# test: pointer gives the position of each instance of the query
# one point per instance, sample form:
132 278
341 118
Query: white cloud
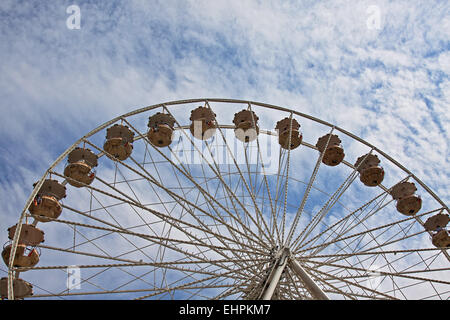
389 86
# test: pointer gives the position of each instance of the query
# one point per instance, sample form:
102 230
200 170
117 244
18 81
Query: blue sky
389 85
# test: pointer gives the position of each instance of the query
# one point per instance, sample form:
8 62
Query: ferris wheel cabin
119 142
370 172
284 127
407 202
330 145
79 169
161 127
203 123
46 203
246 126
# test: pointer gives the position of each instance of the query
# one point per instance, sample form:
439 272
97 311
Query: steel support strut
275 274
310 285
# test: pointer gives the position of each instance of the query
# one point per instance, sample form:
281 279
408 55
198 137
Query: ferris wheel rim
204 100
249 102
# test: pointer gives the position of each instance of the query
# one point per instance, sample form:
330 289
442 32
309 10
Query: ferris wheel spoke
252 191
262 232
422 260
354 254
400 272
216 172
157 291
277 195
346 245
293 283
202 223
425 268
167 218
261 161
82 235
215 197
234 206
347 282
123 229
193 276
170 265
274 227
136 277
369 272
378 206
102 250
344 220
126 231
186 285
327 285
306 194
355 222
38 287
317 218
118 225
190 258
243 180
155 239
439 295
288 162
249 173
389 227
89 293
342 255
89 254
359 247
335 240
213 284
235 210
356 242
135 211
185 271
389 264
396 240
235 289
186 254
343 231
161 249
367 231
82 280
231 229
237 241
85 280
354 295
128 185
207 196
281 181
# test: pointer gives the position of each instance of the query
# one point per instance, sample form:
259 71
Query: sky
379 70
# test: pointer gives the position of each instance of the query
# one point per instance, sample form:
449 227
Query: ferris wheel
227 199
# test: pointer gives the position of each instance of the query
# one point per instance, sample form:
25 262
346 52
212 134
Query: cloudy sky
379 69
